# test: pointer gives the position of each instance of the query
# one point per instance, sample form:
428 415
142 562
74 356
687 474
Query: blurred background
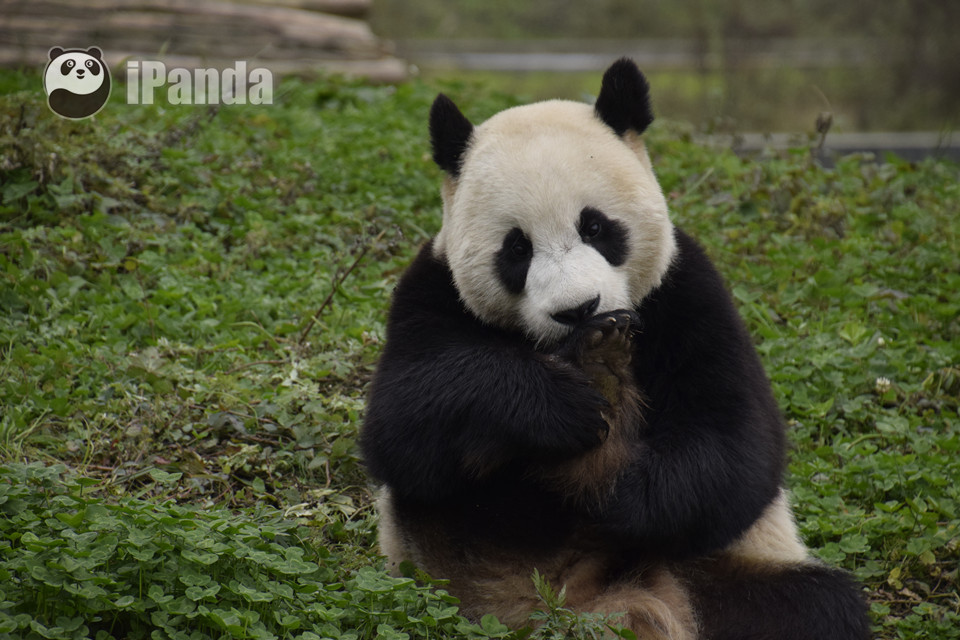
744 65
724 67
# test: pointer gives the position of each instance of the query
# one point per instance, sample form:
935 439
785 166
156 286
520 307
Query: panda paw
602 349
608 337
603 339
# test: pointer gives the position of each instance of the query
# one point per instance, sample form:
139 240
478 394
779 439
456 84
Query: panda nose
578 314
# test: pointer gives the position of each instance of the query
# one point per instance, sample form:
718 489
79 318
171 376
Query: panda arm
454 400
712 449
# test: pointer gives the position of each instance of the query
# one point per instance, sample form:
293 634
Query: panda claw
605 333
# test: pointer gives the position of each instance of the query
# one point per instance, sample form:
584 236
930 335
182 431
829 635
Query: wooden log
286 20
261 31
345 8
191 6
244 34
384 70
348 8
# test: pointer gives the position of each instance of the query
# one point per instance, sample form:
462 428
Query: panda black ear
95 52
624 100
55 53
450 133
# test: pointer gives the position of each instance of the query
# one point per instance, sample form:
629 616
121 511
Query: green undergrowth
74 565
193 300
849 280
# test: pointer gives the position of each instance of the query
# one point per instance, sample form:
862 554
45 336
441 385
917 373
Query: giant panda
566 386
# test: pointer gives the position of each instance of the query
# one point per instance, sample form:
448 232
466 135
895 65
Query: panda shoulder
692 276
426 304
427 282
692 311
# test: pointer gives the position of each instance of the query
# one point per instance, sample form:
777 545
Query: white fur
391 543
536 167
773 539
73 81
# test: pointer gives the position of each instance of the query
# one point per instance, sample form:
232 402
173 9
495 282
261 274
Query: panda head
77 81
551 211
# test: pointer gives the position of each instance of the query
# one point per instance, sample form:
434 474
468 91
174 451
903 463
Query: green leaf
199 556
164 477
387 632
492 625
182 606
14 191
71 519
155 591
853 332
854 543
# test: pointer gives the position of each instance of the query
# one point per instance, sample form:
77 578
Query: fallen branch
338 280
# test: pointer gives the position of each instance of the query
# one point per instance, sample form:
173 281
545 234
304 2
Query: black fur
450 133
454 401
513 261
809 602
714 453
459 411
607 236
624 100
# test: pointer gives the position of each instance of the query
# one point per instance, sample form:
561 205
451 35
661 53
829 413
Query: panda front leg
602 348
455 400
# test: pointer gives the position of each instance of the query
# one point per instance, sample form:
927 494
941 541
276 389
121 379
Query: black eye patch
513 260
609 237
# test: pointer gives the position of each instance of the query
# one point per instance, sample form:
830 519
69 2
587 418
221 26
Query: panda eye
607 235
521 247
591 224
513 260
89 64
70 63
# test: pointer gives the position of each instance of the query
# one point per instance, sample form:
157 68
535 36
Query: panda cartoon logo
77 82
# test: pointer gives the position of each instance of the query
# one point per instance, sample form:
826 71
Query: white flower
882 385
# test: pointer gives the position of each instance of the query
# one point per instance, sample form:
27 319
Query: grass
193 301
